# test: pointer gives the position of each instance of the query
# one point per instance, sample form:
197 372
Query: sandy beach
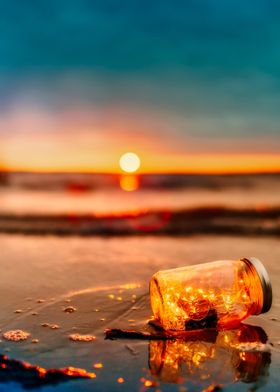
105 280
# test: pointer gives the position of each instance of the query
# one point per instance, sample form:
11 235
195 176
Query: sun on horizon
130 162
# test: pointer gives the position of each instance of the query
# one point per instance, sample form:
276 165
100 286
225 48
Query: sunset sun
130 162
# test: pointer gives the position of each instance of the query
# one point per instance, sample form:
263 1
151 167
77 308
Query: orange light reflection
129 183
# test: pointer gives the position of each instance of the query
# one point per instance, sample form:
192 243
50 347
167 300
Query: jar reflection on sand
225 356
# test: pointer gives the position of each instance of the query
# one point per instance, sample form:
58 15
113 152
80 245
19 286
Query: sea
173 204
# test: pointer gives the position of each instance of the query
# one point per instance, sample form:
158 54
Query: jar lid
265 281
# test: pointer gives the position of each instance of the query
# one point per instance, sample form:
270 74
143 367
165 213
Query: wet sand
105 280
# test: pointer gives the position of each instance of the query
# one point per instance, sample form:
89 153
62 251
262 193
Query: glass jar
217 294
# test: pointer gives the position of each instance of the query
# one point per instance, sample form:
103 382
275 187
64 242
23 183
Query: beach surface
61 288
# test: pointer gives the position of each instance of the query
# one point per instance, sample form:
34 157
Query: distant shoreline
158 173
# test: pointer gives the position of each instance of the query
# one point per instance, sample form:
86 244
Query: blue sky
207 72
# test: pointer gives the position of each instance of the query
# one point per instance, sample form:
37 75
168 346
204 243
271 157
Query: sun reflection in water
129 182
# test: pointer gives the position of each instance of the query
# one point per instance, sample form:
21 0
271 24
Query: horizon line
141 173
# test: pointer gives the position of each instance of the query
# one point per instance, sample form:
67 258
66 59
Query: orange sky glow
88 141
191 163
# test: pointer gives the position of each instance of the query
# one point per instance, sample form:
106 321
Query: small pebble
34 314
102 319
150 384
35 341
98 366
40 301
18 311
69 309
54 326
76 337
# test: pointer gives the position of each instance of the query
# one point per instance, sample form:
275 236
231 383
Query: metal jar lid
264 279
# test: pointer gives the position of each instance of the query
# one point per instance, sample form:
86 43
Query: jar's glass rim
265 281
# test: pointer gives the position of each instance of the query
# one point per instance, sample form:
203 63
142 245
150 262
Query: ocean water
162 204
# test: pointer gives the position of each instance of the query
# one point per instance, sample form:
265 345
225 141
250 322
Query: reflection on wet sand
220 356
30 376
